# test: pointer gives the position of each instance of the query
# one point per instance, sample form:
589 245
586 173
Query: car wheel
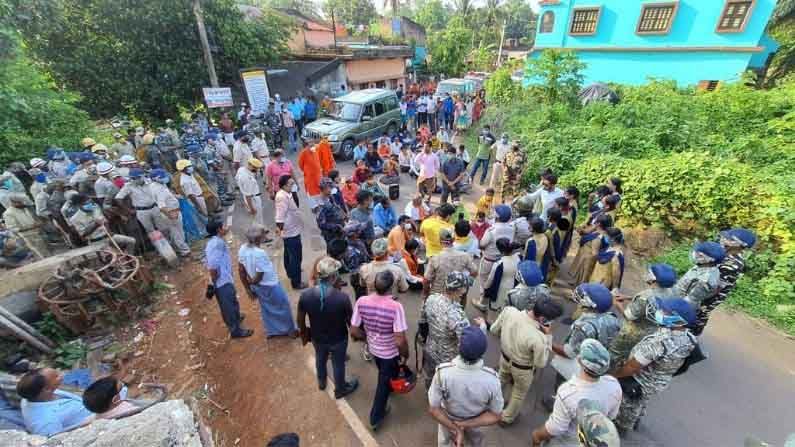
391 130
346 150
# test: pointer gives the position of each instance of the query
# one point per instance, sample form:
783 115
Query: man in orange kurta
327 162
309 163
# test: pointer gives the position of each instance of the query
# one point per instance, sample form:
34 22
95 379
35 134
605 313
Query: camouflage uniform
661 354
512 173
447 261
730 270
446 321
698 284
330 219
602 327
636 325
523 297
595 428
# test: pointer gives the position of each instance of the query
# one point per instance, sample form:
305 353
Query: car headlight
333 137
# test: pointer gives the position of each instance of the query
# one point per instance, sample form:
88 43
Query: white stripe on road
364 435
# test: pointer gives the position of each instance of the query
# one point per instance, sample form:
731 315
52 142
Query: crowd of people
516 249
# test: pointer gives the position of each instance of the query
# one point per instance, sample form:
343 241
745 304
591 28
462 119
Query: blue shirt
447 105
357 215
255 260
384 217
359 152
218 259
54 416
296 110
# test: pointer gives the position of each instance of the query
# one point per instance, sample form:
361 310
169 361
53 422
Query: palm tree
463 6
392 5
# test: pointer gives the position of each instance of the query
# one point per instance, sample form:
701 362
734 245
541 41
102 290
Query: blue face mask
41 178
607 240
89 207
668 320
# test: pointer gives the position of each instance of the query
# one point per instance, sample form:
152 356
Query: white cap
104 167
37 162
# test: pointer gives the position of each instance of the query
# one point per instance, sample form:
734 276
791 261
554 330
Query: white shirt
222 149
255 260
563 420
413 212
489 241
241 153
260 148
247 182
500 150
164 197
431 105
190 186
395 146
141 196
547 199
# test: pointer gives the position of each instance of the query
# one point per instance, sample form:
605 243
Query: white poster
257 90
218 97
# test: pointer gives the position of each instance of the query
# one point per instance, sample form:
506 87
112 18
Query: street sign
218 97
256 83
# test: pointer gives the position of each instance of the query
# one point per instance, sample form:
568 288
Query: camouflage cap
379 247
594 357
594 429
457 280
327 267
446 236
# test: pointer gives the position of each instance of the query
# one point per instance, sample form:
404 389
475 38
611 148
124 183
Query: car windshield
345 111
448 88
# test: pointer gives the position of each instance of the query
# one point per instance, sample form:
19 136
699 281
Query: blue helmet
529 274
676 312
503 213
158 173
712 250
664 275
594 296
136 172
744 237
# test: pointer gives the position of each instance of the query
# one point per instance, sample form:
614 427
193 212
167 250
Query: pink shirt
429 164
276 170
287 213
382 317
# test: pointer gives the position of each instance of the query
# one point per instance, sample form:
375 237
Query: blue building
694 42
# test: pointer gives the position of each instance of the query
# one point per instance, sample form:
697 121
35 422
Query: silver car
362 114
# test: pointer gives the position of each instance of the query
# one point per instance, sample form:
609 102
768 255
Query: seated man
107 398
90 223
47 410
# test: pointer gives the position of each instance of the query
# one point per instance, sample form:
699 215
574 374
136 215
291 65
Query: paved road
747 386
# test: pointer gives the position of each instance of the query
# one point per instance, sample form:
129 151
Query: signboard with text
218 97
256 83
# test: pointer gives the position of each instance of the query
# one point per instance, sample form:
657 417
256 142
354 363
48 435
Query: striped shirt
382 317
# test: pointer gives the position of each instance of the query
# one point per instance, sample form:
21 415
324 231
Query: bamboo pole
20 333
25 326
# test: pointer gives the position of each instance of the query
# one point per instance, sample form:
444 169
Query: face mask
139 181
161 180
89 207
667 320
91 169
189 170
699 258
607 240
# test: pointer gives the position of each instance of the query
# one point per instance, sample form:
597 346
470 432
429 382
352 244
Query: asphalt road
745 388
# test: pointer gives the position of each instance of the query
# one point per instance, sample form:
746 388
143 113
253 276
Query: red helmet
405 381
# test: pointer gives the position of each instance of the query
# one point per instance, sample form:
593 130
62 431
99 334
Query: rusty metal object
98 287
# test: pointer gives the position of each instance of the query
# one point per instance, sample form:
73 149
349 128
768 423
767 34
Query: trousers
172 229
148 218
387 370
630 412
293 257
480 163
337 353
229 307
521 379
483 276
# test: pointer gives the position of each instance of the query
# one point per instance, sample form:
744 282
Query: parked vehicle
478 77
454 85
360 114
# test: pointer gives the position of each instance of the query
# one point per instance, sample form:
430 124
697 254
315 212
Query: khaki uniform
512 174
143 200
465 391
21 221
125 148
525 348
82 221
170 226
488 246
190 187
249 187
367 273
447 261
105 190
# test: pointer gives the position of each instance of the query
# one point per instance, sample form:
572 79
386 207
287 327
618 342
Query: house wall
296 43
635 57
366 73
330 83
319 39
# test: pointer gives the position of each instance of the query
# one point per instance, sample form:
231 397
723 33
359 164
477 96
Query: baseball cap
473 343
327 267
136 172
446 236
593 427
379 247
594 357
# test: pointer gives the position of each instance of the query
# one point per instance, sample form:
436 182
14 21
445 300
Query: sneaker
244 333
350 387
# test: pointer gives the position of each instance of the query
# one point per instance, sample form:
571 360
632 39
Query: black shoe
350 387
321 385
300 286
244 333
548 402
378 424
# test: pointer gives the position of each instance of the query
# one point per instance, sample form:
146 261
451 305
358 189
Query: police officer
523 208
59 165
442 320
654 361
330 217
190 187
121 146
734 242
512 173
502 228
525 343
701 282
465 395
530 286
660 278
447 261
595 322
124 164
143 199
84 177
104 188
91 225
591 383
594 429
169 221
246 178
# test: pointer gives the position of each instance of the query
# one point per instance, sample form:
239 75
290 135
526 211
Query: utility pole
502 40
334 29
208 56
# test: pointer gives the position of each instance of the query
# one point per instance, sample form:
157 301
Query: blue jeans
387 370
293 257
230 309
337 352
291 138
480 162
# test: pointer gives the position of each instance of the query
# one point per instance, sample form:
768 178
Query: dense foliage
147 59
692 162
351 13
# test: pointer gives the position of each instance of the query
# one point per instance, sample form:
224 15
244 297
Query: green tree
521 21
351 13
432 14
449 48
558 73
463 7
146 59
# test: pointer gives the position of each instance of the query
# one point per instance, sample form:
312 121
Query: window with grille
657 18
735 15
584 21
547 22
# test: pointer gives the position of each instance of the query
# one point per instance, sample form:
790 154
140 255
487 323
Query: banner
256 84
218 97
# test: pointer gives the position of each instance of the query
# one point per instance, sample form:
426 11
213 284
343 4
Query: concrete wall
319 39
330 83
718 56
365 71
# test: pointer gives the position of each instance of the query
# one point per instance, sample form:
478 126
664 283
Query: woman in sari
609 268
590 244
